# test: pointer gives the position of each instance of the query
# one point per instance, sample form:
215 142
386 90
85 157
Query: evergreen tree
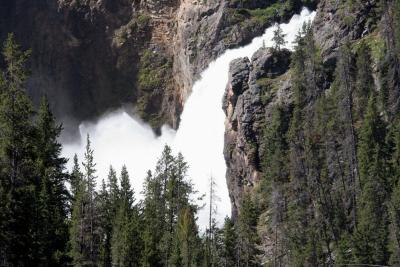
75 178
166 194
20 186
91 238
125 244
53 197
153 220
371 235
85 231
108 204
394 203
229 244
105 226
187 238
364 80
247 234
299 201
279 38
77 214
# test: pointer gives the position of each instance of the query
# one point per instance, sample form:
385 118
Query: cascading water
119 139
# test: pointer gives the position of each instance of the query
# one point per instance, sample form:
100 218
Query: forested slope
314 147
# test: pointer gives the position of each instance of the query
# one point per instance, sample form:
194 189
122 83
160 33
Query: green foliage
186 240
371 235
229 243
18 182
169 232
364 80
125 239
53 207
247 237
153 77
85 231
279 38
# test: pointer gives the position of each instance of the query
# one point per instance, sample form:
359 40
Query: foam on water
119 139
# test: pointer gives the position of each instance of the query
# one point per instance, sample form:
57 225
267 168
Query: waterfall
119 139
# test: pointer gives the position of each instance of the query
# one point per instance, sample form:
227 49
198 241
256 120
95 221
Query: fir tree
279 38
105 226
53 196
75 178
364 80
85 231
125 244
153 220
20 186
229 241
247 234
91 237
187 237
371 235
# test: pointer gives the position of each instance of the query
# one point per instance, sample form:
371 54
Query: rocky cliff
93 56
253 88
258 85
310 142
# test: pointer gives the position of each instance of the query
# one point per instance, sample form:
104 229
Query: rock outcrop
254 87
93 56
336 23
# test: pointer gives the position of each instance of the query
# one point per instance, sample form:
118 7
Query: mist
118 138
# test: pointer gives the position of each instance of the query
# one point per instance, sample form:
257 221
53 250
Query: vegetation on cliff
329 194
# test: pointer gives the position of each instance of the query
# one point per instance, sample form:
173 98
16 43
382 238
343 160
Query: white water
119 139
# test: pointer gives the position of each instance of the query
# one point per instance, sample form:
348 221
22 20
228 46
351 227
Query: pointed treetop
279 38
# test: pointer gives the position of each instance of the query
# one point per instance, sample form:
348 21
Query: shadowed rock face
76 59
87 55
334 24
93 56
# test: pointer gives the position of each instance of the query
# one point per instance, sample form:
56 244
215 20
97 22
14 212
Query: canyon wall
258 85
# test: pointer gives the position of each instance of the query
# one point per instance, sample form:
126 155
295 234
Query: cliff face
93 56
255 87
303 139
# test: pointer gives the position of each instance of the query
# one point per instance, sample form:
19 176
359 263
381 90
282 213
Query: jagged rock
249 108
335 23
87 55
247 114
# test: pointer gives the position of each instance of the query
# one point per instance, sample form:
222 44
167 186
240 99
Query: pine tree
75 178
91 212
298 215
166 194
125 243
19 184
153 220
108 199
53 197
165 174
229 244
279 38
187 237
247 234
78 188
113 190
394 203
364 81
276 177
85 231
371 235
105 225
212 230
